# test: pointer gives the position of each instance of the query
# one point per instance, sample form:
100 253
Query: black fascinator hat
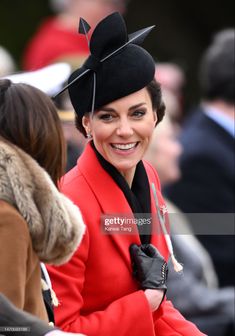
117 65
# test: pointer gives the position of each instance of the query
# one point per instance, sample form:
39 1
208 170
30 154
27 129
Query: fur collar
55 223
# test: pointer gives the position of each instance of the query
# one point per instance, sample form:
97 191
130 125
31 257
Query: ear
86 123
155 117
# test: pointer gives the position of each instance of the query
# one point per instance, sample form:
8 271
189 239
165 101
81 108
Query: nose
124 128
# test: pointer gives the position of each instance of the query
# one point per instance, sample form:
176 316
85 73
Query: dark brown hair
216 70
29 119
155 92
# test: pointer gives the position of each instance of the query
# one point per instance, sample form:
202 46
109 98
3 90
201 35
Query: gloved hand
149 267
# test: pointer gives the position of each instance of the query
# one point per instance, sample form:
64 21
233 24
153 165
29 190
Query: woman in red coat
115 283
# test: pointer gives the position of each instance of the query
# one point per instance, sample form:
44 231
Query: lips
125 147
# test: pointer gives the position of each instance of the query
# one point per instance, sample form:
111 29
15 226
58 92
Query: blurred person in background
207 163
194 293
56 39
164 150
37 223
172 79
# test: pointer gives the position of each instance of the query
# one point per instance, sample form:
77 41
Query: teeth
124 146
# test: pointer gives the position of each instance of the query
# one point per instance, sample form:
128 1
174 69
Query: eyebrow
109 109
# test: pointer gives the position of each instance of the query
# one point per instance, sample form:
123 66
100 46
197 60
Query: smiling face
122 131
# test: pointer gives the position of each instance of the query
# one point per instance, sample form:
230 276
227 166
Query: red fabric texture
51 43
97 292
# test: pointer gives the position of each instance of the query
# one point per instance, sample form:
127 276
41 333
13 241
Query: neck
128 175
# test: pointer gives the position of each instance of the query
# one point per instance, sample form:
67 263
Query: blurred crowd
192 151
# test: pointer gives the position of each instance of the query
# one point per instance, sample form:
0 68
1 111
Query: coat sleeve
14 242
129 315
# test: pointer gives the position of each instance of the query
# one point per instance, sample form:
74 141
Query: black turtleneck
138 196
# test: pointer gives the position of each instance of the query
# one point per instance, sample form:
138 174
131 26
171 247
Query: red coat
97 292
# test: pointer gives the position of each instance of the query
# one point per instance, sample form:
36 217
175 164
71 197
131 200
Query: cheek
147 130
101 134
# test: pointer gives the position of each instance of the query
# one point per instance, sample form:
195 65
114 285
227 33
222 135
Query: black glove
149 267
11 317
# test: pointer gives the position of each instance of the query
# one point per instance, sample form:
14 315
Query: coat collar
112 200
55 224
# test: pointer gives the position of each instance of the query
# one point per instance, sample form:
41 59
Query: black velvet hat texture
116 67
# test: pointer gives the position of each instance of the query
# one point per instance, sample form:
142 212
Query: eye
105 116
138 114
